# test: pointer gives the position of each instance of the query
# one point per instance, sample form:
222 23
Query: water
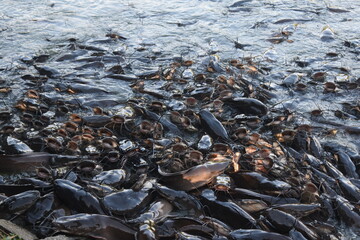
281 36
193 29
182 27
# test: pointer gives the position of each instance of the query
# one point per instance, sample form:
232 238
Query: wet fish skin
347 165
41 208
313 161
127 202
180 199
255 180
24 162
284 222
194 177
47 71
328 210
94 225
296 235
252 206
247 106
228 212
315 147
350 191
299 210
333 171
19 203
213 126
170 225
320 175
246 193
347 212
96 120
75 197
255 234
157 212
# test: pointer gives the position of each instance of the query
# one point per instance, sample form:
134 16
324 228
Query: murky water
289 40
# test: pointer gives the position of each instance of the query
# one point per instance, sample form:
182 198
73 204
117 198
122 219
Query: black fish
75 197
256 234
248 106
228 212
213 126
